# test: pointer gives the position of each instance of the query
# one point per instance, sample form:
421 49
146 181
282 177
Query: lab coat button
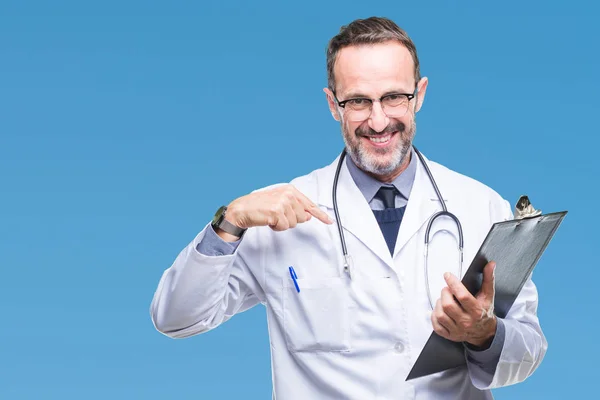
399 347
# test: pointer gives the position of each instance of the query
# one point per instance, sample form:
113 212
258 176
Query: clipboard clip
524 209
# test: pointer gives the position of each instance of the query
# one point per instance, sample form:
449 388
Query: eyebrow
355 95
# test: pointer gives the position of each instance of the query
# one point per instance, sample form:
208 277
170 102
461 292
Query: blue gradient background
124 125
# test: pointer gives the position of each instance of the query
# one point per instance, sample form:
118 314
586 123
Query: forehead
374 69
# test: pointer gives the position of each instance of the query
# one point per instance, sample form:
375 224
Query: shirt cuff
488 359
212 244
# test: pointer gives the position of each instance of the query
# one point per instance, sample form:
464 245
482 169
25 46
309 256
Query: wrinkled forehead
374 69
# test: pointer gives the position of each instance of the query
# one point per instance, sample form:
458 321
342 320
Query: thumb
489 277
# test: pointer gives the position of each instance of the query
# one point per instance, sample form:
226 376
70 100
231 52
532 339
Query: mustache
395 126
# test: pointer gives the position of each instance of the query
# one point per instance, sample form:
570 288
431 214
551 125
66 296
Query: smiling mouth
379 140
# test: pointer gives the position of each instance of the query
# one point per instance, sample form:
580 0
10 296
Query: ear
333 107
422 85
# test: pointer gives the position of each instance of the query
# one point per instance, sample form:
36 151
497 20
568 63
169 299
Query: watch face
219 215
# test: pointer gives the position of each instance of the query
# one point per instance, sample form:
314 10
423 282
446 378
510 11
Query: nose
378 120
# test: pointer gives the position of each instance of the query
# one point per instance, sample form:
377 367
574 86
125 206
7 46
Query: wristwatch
220 222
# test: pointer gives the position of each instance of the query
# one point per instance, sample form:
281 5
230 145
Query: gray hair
368 31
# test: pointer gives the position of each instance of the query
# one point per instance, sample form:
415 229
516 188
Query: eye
358 102
395 99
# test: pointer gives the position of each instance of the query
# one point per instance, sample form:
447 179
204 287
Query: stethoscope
348 258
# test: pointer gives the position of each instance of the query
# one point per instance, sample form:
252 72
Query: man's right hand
280 208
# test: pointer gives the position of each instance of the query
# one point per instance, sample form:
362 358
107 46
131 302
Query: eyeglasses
394 105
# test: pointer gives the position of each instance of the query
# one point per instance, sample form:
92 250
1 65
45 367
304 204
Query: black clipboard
516 246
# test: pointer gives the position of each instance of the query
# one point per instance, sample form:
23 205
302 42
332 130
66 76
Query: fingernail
446 275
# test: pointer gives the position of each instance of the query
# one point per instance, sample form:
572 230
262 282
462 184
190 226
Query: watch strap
231 228
220 222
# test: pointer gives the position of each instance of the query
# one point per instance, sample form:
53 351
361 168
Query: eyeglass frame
409 96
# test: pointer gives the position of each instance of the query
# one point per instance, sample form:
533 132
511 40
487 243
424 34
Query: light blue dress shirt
369 185
487 359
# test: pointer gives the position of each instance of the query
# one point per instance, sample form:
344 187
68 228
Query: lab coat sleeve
199 292
524 342
487 359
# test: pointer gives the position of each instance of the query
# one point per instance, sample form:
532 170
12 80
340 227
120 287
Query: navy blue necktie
390 218
387 194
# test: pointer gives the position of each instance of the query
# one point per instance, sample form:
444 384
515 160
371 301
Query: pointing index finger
313 209
319 214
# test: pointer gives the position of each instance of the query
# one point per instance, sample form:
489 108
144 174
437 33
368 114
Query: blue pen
294 277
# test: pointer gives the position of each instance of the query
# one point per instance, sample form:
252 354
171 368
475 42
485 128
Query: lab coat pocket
316 319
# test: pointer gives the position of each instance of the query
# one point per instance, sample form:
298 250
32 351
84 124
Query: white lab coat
356 338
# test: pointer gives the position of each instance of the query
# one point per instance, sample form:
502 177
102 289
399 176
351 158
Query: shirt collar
369 185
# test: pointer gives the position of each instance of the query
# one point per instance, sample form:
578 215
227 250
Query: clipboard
516 246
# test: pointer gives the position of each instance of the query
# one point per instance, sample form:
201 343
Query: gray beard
367 162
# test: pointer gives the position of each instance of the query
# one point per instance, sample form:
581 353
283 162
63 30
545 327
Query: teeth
380 139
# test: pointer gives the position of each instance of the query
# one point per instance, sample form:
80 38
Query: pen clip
294 278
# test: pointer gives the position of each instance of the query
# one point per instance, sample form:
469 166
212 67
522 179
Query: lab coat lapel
355 214
422 204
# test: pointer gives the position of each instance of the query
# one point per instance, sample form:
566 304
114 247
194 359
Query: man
355 333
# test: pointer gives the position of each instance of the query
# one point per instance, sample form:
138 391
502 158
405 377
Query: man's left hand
461 317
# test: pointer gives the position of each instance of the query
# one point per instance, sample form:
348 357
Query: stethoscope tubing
444 212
